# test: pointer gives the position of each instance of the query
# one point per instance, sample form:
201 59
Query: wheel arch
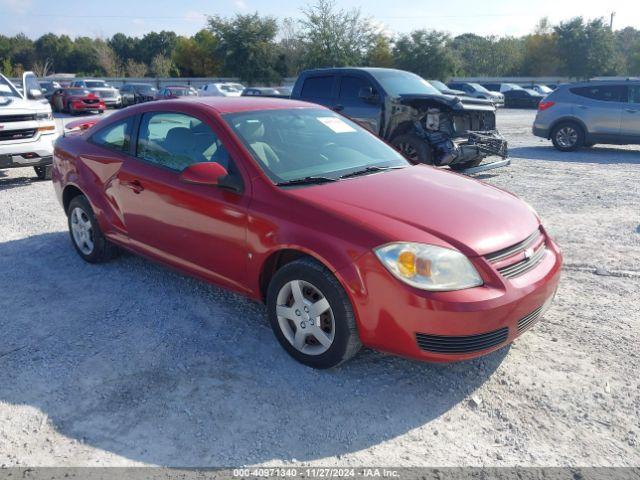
69 193
569 119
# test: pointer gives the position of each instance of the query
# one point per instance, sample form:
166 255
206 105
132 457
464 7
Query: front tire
43 172
311 315
414 148
567 136
86 236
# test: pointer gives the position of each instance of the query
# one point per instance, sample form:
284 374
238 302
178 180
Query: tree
334 38
540 51
82 59
156 43
197 56
135 69
54 49
585 49
106 58
246 46
380 54
291 48
425 53
125 48
161 66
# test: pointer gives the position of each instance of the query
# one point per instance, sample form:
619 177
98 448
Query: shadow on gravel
134 359
603 155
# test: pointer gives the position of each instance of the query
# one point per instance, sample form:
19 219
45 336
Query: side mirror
207 173
34 93
368 94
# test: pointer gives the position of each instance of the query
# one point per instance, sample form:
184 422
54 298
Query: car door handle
338 108
134 185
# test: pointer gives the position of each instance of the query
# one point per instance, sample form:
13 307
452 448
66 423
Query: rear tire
86 236
414 148
567 136
43 172
311 315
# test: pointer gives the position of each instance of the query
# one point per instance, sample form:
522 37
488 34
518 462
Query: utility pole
613 14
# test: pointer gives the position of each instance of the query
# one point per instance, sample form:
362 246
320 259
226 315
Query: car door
630 125
199 228
365 112
600 107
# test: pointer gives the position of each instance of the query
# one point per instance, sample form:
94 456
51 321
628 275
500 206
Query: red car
294 205
177 91
76 100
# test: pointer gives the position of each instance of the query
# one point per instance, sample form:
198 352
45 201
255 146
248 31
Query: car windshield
396 83
514 86
231 87
96 84
544 89
144 88
76 91
294 144
7 89
478 88
438 84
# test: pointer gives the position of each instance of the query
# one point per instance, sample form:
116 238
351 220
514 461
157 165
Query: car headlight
428 267
44 116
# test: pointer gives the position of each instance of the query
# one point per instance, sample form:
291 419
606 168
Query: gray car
582 114
476 90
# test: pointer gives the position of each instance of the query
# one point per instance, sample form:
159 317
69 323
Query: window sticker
336 124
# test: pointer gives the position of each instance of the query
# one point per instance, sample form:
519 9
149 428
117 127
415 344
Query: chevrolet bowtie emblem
528 253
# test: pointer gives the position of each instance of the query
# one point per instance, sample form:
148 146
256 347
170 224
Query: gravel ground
129 363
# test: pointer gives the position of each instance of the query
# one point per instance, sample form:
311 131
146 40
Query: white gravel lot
129 363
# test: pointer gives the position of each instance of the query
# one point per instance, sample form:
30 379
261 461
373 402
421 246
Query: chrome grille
524 256
7 135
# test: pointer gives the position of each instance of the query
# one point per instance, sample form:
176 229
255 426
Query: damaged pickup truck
406 111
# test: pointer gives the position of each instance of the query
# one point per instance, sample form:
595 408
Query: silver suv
582 114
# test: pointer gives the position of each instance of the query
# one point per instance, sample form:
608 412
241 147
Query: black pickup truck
406 111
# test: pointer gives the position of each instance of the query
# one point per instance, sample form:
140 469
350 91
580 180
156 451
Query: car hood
450 101
467 214
14 105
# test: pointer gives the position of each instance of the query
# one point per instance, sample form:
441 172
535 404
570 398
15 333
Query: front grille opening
527 321
461 344
7 135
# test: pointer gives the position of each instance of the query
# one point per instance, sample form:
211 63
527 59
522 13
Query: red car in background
76 100
291 204
177 91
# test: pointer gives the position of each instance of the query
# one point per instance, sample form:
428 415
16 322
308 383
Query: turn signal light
544 105
47 128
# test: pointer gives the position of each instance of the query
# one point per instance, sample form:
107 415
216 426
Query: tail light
544 105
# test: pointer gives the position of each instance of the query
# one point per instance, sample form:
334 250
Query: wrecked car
405 110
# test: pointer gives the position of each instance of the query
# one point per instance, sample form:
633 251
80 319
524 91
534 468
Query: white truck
221 89
27 127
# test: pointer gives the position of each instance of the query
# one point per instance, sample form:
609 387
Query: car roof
223 105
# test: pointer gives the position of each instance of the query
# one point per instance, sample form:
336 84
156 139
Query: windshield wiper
306 181
370 169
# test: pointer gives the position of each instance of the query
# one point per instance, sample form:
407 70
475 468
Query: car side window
350 88
175 141
604 93
318 87
116 136
634 94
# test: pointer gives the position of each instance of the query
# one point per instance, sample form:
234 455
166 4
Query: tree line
262 49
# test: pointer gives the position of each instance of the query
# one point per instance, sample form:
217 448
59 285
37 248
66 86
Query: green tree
155 43
161 66
540 51
197 56
247 47
334 38
425 53
55 49
380 54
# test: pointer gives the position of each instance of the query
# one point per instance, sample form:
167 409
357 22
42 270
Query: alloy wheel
567 137
82 231
305 317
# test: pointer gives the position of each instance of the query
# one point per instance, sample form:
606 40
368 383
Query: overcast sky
137 17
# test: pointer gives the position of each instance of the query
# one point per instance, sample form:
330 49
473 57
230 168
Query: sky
136 17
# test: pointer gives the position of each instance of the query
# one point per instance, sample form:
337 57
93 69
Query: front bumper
34 151
112 102
449 326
